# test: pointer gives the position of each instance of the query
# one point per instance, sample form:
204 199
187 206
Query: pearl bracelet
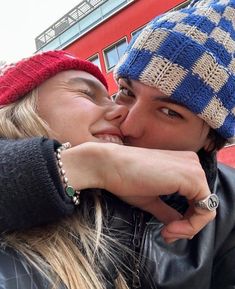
71 192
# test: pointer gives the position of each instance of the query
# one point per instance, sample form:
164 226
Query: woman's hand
139 176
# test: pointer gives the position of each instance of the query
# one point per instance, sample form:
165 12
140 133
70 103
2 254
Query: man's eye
125 91
171 113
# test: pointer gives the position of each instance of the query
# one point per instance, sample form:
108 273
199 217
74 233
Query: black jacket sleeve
31 193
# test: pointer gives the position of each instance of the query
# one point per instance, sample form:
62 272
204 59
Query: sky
21 21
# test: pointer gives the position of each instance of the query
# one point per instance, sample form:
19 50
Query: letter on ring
210 203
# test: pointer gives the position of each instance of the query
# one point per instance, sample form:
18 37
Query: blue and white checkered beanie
189 55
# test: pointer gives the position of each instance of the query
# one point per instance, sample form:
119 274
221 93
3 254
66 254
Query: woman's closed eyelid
85 94
80 90
95 97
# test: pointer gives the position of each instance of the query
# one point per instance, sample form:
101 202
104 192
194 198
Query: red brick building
227 155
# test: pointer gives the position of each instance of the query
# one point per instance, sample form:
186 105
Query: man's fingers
177 229
187 228
162 211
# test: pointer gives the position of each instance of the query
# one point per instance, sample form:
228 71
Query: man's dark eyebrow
128 82
165 99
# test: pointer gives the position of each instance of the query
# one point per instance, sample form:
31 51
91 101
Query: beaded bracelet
71 192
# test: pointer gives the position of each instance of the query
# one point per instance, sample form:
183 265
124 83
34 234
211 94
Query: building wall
115 28
227 156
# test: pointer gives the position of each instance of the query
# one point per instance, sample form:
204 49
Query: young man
177 79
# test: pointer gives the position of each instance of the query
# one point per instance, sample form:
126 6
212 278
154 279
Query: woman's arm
32 194
30 190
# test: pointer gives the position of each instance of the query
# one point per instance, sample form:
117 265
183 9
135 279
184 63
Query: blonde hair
73 250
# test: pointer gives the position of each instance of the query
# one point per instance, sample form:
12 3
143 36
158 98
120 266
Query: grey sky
21 21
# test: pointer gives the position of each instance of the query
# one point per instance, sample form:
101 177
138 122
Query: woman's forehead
77 78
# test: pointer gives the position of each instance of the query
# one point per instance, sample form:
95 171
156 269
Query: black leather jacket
205 262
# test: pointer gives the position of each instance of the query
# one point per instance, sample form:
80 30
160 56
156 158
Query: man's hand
142 175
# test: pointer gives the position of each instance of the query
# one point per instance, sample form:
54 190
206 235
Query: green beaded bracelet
71 192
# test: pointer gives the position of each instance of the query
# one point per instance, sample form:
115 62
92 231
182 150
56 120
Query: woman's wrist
71 192
85 165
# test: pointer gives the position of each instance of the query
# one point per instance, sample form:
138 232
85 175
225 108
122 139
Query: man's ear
209 145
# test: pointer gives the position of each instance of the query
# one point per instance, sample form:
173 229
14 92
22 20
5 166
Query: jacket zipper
138 220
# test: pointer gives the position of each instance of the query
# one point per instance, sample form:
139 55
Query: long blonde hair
70 250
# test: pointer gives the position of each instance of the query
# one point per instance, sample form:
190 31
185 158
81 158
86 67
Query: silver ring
210 203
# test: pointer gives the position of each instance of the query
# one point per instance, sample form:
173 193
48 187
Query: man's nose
133 125
116 113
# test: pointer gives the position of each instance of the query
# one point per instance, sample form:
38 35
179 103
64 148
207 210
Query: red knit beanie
16 80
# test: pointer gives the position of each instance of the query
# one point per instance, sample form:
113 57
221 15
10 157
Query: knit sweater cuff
31 193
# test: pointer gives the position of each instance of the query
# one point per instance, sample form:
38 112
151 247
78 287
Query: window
137 31
114 53
113 96
182 5
95 60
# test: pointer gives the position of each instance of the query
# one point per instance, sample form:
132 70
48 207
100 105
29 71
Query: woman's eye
86 94
171 113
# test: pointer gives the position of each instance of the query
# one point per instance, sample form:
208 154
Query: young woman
71 105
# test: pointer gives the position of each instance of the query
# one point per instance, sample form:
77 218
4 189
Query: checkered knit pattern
189 55
18 79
